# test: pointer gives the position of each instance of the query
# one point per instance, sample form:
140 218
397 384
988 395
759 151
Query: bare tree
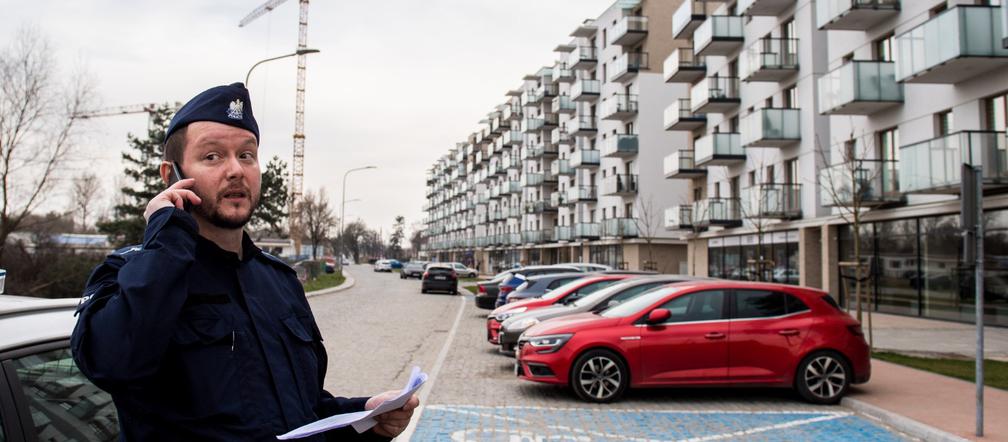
697 213
853 185
316 218
37 128
754 206
86 192
647 220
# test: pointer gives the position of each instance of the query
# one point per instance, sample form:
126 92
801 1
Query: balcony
510 187
935 166
534 125
771 8
537 236
586 90
955 45
562 73
629 31
690 15
583 126
626 67
859 88
682 66
540 150
715 95
682 165
513 239
724 212
562 168
587 231
539 207
620 146
512 138
680 116
514 212
564 105
854 15
679 217
619 185
513 113
619 228
582 194
719 35
563 233
771 59
620 107
513 162
558 199
770 127
774 201
530 179
585 159
583 58
860 183
494 192
495 215
719 149
562 137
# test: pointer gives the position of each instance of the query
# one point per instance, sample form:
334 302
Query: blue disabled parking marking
466 423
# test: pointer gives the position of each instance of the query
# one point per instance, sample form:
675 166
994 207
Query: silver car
43 396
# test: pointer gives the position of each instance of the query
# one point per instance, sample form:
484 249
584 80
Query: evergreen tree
272 212
143 160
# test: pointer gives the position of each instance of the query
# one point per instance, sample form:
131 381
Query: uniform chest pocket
299 340
203 330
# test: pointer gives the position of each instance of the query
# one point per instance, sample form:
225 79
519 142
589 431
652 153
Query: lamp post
342 212
292 54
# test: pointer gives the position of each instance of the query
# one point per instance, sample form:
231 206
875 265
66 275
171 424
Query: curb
347 283
900 422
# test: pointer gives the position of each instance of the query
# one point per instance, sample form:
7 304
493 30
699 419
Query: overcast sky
397 83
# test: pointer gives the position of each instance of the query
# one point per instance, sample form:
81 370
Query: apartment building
568 168
802 113
758 128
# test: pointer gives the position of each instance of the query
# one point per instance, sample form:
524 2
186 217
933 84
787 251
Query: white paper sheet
360 420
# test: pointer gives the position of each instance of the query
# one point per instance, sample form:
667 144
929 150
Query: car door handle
788 332
715 335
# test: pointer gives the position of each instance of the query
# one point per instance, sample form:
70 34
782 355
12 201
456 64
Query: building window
944 123
884 48
996 113
790 97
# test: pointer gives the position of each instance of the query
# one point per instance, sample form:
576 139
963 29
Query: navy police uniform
196 344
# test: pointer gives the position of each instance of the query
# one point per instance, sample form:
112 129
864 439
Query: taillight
454 275
506 289
424 275
481 289
855 330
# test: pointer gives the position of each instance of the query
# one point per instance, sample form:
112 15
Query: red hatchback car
566 293
701 334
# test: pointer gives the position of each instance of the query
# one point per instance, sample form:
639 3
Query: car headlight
549 343
503 316
525 323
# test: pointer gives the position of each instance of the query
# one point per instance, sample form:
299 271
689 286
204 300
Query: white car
463 271
383 265
589 267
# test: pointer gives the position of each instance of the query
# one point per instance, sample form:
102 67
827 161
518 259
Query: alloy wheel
600 377
825 377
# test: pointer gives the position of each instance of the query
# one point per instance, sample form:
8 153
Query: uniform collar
212 250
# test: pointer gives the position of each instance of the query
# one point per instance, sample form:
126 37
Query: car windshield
562 290
637 304
604 293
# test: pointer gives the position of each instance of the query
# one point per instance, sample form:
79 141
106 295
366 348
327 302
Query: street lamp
293 54
343 202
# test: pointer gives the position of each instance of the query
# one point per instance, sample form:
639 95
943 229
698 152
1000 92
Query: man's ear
165 170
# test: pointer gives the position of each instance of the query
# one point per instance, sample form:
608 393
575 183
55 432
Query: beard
210 211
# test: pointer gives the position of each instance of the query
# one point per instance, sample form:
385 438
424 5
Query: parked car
588 267
702 333
487 291
45 396
564 294
463 271
520 275
383 265
600 300
439 277
395 264
538 285
413 269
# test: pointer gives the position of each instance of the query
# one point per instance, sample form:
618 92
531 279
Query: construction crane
148 108
297 172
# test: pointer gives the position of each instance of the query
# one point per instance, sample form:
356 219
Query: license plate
440 278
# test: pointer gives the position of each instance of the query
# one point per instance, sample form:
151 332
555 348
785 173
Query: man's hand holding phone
175 195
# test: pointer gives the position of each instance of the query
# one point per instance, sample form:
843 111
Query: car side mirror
658 316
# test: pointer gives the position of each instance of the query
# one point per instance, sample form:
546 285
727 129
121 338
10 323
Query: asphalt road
376 331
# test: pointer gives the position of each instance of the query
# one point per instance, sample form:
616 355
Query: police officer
197 333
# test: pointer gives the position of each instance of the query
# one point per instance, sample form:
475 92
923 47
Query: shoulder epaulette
128 250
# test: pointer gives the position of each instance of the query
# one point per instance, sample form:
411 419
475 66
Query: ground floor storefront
659 256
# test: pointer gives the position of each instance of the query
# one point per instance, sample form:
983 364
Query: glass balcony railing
587 230
620 106
679 116
719 35
562 168
583 125
853 15
683 66
715 95
583 57
513 239
932 51
585 158
718 212
564 105
770 59
534 124
935 166
530 179
679 217
778 201
629 30
719 149
561 136
619 227
682 164
771 127
536 207
563 233
622 184
690 14
860 183
586 90
512 137
626 66
859 88
581 194
620 145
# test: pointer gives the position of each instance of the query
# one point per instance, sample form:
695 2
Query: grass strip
324 281
995 372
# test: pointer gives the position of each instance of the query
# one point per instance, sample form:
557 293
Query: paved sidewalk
930 337
945 403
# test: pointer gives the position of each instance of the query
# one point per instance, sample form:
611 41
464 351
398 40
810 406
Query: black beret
222 104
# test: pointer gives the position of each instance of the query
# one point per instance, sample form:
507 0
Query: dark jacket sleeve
132 302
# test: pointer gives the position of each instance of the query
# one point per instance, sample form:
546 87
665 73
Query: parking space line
764 429
552 427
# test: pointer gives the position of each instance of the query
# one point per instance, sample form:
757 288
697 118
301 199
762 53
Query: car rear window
759 304
560 281
829 300
795 305
439 270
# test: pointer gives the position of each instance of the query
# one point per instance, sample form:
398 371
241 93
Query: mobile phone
177 176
